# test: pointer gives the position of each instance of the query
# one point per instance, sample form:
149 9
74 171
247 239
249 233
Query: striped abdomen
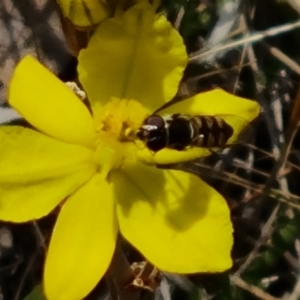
210 131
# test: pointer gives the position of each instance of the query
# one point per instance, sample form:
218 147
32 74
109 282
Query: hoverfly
180 131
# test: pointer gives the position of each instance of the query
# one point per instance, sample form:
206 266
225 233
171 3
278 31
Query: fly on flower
180 131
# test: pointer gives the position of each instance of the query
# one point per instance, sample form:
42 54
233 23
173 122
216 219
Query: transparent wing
242 129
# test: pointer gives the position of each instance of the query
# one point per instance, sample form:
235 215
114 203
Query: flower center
117 123
121 119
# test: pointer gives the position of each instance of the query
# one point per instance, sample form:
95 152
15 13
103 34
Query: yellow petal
37 172
216 102
178 222
168 156
136 55
85 13
82 243
49 105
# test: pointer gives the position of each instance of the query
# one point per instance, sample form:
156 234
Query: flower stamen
117 124
121 118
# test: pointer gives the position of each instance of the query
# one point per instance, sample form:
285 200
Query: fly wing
242 129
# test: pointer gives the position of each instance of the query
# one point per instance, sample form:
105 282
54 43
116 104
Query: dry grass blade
254 290
266 233
255 37
293 125
294 118
296 292
119 276
292 64
295 4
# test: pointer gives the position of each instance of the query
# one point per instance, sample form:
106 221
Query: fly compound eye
153 133
156 122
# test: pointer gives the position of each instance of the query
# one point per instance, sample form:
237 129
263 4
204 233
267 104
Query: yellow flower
106 178
88 13
85 13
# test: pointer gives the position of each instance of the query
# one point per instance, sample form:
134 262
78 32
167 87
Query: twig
275 124
119 276
292 261
293 125
283 58
39 236
22 282
279 195
269 154
295 4
266 232
179 17
296 292
241 64
254 290
255 37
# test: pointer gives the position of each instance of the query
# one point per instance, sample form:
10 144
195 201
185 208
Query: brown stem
119 276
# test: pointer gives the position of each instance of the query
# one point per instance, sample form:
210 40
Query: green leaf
35 294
